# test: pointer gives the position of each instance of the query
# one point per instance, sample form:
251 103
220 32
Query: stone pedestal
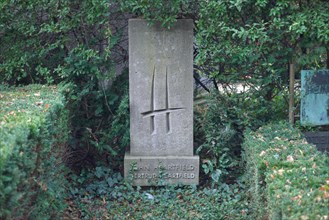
161 104
160 170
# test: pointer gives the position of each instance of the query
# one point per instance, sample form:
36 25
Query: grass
27 100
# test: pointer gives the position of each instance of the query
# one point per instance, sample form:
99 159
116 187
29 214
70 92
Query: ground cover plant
287 177
103 194
33 133
79 44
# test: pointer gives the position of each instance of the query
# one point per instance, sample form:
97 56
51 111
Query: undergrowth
103 194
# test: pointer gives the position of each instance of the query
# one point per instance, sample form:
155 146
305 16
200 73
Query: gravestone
161 104
314 97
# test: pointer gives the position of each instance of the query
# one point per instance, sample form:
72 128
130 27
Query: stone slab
161 170
314 97
161 88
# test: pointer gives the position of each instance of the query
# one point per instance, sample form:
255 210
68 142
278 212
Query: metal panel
315 97
320 139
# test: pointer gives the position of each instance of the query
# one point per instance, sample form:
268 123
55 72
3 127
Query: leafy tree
40 38
252 42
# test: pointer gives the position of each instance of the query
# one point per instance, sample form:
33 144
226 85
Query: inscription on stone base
161 170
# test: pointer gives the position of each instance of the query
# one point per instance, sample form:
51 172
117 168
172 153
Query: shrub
288 178
220 125
99 121
33 130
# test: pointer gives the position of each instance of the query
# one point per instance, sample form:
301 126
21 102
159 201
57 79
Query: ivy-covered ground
101 195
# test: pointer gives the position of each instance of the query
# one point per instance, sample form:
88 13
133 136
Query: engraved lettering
164 176
146 167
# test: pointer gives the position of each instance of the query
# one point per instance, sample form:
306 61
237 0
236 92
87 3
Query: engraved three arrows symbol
154 112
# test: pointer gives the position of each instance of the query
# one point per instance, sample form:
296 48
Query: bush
33 130
220 125
286 173
99 121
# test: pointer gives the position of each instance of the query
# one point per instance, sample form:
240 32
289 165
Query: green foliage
226 202
286 173
69 42
258 38
163 11
100 193
251 43
220 126
38 36
99 120
120 132
33 133
219 143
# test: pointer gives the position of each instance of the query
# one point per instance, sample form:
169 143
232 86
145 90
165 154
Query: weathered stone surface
161 170
161 89
161 103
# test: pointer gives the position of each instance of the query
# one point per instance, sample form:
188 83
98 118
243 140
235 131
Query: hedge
288 177
33 130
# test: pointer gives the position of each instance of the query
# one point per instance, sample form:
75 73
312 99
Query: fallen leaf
326 195
290 159
262 153
296 197
304 217
281 171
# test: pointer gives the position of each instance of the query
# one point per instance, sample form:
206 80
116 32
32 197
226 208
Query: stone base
161 170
